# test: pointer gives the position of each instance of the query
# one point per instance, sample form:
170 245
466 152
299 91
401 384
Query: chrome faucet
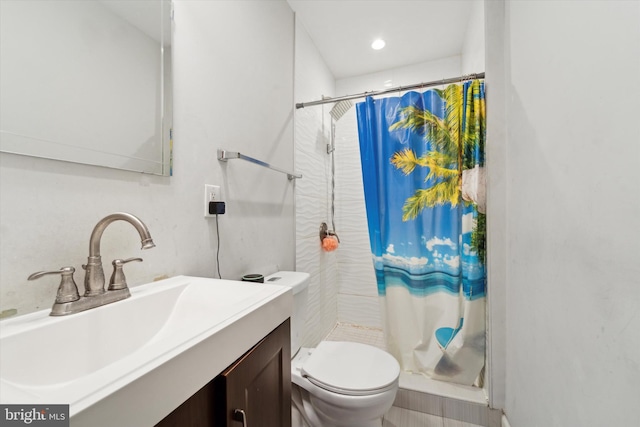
68 300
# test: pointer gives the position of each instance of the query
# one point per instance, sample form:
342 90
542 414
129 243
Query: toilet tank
299 284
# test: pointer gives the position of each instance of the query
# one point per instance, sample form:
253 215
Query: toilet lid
351 368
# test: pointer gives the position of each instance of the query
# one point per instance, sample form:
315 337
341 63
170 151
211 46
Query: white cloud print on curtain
423 172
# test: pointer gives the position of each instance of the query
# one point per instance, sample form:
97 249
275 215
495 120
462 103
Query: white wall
473 49
233 92
312 132
572 155
410 74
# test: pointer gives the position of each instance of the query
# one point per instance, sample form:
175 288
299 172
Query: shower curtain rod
391 90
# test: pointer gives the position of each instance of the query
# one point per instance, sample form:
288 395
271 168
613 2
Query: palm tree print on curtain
423 172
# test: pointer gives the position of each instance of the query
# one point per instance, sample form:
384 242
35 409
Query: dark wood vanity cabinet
256 388
258 384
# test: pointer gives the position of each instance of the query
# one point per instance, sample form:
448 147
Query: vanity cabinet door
258 384
197 411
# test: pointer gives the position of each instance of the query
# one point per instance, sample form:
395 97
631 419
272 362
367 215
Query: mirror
87 82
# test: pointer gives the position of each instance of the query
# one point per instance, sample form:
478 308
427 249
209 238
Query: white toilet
337 383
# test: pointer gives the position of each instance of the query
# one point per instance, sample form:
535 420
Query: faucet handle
118 281
68 290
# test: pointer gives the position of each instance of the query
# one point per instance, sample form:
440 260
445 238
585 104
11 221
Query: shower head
340 109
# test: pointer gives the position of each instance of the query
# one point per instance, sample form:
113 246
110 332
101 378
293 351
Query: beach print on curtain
423 172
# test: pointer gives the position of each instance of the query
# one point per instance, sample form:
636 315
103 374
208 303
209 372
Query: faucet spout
94 277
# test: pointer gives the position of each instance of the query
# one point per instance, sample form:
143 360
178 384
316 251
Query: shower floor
355 333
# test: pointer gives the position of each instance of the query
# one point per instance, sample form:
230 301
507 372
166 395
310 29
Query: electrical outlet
211 194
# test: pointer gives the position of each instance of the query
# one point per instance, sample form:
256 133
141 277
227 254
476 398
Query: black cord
218 251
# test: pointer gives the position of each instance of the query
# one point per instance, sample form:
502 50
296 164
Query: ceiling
414 31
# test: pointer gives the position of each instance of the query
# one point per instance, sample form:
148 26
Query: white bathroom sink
38 350
139 358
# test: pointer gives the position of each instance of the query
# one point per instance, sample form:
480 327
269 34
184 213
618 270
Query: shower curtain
422 160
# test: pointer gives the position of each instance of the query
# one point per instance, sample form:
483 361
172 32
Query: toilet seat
351 368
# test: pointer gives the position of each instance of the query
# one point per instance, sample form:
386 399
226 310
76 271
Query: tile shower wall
357 290
357 295
312 130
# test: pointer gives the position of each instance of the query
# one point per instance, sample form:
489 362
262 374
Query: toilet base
303 414
296 418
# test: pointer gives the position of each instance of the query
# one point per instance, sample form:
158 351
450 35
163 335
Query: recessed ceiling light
378 44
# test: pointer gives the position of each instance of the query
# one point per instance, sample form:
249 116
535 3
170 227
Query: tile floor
396 417
400 417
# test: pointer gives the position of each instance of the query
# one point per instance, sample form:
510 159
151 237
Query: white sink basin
170 337
63 349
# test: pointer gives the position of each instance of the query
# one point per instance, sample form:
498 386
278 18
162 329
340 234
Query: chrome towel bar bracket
224 155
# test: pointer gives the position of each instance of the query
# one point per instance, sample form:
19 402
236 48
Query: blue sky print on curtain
423 171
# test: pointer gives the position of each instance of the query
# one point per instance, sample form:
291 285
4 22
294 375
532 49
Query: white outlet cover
211 194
